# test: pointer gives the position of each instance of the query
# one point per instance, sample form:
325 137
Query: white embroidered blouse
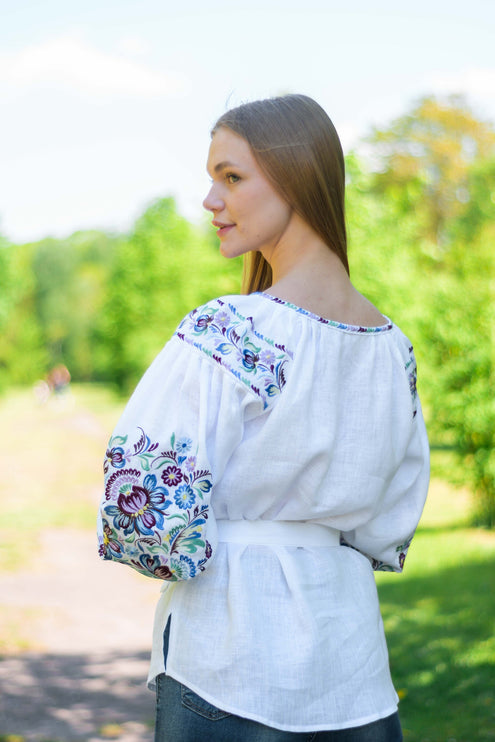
311 430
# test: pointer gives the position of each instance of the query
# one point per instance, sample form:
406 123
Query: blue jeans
183 716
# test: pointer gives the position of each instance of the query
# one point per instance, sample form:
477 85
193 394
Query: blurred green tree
426 208
23 358
423 160
162 271
71 279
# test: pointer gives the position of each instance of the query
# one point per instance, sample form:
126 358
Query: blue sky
107 105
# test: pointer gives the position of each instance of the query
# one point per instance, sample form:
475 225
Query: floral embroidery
184 497
378 565
412 375
155 508
172 476
223 334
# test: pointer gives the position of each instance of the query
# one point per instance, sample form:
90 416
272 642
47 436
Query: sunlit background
105 113
107 105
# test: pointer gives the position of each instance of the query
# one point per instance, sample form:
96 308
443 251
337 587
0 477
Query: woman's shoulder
230 333
240 312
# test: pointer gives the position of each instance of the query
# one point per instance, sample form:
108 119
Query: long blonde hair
297 147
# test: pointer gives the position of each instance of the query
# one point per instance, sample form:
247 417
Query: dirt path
75 631
89 623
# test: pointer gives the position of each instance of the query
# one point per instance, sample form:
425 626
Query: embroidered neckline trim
322 320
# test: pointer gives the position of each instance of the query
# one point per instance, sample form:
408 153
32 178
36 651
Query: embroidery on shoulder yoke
223 334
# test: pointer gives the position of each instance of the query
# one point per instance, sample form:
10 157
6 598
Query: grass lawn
53 454
439 619
439 614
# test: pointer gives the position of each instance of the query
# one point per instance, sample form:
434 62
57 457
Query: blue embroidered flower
183 445
184 496
183 569
249 359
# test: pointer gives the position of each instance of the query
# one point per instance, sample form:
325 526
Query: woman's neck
308 273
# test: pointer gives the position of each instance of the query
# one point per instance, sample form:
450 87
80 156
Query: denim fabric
183 716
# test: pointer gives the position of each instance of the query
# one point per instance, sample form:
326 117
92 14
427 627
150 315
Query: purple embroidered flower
154 565
172 476
121 482
222 319
184 496
202 322
141 509
109 546
268 357
190 463
114 457
183 445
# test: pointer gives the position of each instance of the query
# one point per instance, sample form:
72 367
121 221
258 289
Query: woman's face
248 212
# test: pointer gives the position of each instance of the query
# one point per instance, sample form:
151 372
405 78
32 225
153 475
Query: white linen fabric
293 418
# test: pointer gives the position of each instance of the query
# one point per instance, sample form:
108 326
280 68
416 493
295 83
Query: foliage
71 278
165 269
423 160
22 353
460 332
421 225
422 250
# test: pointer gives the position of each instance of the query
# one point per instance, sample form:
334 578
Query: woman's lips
223 229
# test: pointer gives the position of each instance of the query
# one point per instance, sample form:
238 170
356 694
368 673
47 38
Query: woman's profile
272 457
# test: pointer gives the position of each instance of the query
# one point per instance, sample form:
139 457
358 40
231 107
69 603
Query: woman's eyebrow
221 165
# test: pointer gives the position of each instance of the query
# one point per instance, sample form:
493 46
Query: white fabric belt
277 533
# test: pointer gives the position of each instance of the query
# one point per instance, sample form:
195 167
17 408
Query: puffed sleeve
385 538
171 444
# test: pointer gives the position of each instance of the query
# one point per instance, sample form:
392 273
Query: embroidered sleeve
412 375
385 539
155 507
175 439
378 565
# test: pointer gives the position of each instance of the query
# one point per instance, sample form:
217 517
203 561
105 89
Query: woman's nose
213 202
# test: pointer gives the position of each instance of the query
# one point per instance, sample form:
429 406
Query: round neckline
363 329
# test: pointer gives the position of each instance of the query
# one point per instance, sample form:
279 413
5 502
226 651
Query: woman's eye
232 178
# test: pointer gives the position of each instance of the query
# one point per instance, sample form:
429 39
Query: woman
272 456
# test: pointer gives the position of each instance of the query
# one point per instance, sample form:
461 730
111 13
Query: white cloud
70 62
133 46
476 82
